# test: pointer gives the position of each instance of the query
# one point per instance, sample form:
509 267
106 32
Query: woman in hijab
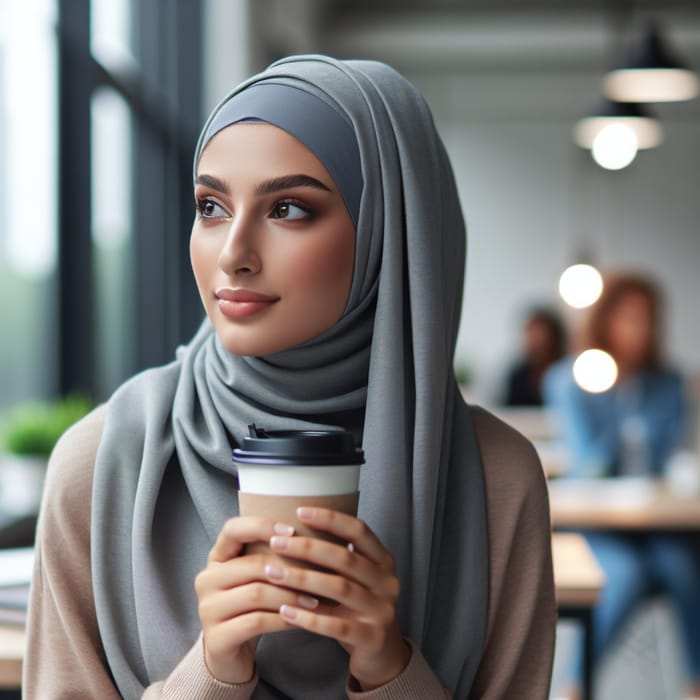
328 249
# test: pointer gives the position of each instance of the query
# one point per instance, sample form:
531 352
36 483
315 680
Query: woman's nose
239 255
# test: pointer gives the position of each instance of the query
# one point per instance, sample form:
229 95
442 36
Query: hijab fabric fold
164 482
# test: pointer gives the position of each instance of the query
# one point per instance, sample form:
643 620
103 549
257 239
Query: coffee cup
279 471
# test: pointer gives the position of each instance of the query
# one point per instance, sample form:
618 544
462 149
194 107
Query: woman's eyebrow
288 182
266 186
214 183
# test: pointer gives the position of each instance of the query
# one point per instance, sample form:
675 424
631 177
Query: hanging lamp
646 127
652 73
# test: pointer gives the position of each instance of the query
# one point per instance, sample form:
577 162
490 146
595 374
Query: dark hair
550 318
616 287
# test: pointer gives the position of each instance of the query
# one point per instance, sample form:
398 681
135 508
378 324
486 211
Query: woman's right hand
237 602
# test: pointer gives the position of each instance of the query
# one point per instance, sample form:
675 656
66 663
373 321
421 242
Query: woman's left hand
361 579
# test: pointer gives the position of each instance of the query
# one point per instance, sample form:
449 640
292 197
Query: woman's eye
289 211
209 209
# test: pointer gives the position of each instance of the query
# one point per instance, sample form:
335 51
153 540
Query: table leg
587 620
583 615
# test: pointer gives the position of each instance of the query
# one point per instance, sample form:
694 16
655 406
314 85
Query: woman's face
272 245
631 329
540 342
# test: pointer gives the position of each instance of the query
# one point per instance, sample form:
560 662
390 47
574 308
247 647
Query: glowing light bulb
595 371
615 146
580 285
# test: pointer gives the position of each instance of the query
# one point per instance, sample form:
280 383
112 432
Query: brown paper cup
283 509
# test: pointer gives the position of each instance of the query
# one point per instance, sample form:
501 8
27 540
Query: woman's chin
257 344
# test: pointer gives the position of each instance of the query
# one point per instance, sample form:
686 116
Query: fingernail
275 572
288 611
279 543
307 601
283 529
306 513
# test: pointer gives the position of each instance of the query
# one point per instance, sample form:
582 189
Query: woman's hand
237 602
361 580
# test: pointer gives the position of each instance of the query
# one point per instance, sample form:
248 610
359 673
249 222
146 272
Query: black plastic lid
302 447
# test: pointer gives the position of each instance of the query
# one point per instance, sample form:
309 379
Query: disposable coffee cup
279 471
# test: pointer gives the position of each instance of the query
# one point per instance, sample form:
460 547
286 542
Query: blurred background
101 102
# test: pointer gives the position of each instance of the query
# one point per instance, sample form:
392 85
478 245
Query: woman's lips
239 303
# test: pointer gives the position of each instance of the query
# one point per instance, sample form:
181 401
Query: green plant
33 427
463 373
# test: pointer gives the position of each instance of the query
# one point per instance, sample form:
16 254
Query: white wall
531 197
506 89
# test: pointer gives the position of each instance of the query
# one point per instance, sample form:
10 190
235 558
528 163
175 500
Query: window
100 108
28 223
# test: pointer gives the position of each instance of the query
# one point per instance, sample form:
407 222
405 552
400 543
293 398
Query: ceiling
554 47
482 35
547 40
468 6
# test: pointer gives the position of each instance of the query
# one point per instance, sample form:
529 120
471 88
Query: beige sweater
65 658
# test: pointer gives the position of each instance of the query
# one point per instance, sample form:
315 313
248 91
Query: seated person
544 341
631 429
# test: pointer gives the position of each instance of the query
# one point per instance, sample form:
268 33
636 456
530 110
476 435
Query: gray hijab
164 482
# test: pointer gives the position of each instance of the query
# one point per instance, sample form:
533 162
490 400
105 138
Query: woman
328 249
631 430
543 343
636 426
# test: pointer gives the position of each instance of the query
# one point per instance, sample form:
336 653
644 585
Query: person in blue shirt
632 429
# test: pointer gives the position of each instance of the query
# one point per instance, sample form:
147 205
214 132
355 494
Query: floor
646 664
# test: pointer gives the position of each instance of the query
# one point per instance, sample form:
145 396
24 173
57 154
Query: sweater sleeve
417 681
191 679
64 656
521 621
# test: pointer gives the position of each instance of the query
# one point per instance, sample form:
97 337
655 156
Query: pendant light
646 127
580 285
651 73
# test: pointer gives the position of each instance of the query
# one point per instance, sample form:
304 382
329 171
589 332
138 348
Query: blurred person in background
543 343
633 429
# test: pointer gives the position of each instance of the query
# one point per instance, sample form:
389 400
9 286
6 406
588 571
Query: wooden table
622 504
625 503
578 578
11 655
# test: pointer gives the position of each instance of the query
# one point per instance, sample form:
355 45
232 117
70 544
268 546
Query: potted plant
28 433
464 376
